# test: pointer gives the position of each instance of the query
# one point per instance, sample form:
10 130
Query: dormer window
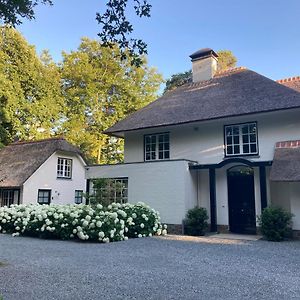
241 139
157 146
64 168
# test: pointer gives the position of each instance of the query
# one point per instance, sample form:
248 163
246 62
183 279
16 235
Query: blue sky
263 34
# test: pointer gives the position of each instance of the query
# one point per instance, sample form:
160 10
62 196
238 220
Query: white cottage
45 171
228 141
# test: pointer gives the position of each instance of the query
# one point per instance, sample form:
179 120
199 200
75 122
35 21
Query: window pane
245 139
160 155
252 138
236 149
253 148
229 150
167 155
236 140
245 129
229 140
228 131
236 130
246 149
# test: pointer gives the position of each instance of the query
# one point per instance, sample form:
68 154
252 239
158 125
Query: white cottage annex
45 171
228 141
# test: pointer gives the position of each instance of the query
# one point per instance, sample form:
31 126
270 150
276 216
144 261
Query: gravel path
149 268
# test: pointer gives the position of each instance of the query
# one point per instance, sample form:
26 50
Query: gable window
64 168
157 146
241 139
78 196
44 196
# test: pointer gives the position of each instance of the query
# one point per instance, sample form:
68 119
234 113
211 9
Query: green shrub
275 223
195 222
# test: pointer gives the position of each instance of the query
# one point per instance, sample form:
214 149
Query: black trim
212 196
263 187
87 190
241 154
44 190
231 161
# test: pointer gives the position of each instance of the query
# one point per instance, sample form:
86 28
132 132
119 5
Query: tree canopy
226 59
100 88
13 11
30 96
91 89
114 22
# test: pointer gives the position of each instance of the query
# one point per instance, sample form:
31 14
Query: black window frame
78 196
71 168
49 197
241 145
157 145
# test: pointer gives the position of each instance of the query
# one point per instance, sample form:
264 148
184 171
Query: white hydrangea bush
116 222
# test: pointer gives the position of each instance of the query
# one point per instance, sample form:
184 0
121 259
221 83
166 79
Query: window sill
242 155
63 178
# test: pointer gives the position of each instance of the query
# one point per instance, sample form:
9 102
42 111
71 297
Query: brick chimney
204 64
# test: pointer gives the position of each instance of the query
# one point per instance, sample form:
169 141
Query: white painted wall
166 186
62 190
203 142
295 203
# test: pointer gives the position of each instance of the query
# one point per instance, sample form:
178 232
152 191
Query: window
241 139
109 190
44 196
157 146
78 196
64 168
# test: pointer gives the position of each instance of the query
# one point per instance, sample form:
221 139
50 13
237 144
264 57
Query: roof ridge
218 74
37 141
230 70
289 79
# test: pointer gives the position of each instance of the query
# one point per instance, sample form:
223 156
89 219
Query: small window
241 139
44 196
78 196
157 146
64 168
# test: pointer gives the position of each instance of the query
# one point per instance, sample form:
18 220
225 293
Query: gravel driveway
149 268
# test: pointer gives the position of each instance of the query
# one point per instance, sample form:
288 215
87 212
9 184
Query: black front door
241 200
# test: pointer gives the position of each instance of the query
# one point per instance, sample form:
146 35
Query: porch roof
286 163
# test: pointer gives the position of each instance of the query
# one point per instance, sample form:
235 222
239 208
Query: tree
12 11
226 59
116 28
30 96
100 88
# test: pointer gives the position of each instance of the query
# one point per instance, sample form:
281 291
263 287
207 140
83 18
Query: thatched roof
232 93
286 163
18 161
292 82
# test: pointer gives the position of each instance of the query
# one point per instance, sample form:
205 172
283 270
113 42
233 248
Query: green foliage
116 28
31 102
115 222
226 60
11 12
100 88
275 223
195 222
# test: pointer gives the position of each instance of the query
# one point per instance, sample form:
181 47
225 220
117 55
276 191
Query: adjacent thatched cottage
46 171
229 142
